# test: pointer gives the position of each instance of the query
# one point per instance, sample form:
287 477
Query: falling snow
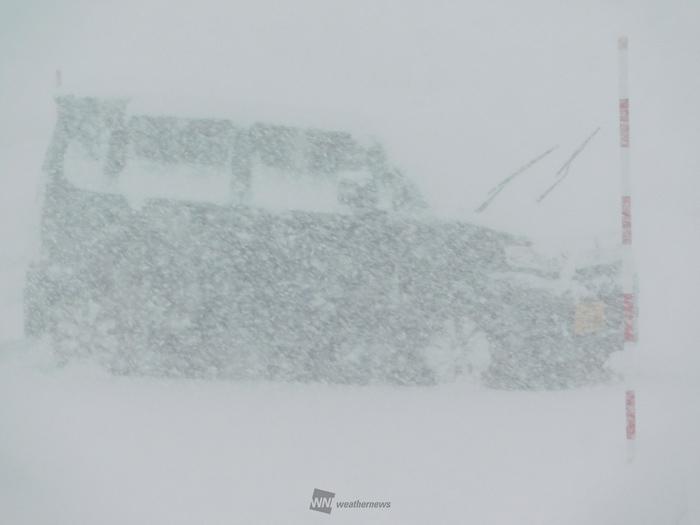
253 249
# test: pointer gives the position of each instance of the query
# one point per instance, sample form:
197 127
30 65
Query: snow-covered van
202 247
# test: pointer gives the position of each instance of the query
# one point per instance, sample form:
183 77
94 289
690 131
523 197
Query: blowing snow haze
242 215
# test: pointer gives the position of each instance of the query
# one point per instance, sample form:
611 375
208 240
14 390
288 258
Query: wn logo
322 501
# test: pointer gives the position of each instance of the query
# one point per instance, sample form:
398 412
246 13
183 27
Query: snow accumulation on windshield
388 263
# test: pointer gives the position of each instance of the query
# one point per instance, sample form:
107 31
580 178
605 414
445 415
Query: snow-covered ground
78 446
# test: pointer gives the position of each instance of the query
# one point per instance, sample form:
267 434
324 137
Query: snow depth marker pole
629 299
58 80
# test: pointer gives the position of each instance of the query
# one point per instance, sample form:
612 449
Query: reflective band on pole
626 220
624 123
629 314
631 412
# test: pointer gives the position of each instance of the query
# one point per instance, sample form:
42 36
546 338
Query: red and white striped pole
629 299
